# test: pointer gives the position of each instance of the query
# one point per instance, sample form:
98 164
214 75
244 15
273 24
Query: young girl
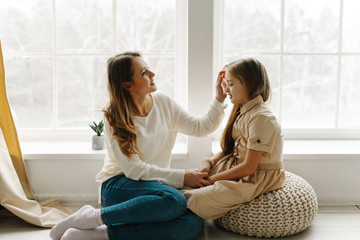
250 162
139 198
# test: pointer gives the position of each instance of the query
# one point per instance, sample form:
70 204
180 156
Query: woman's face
236 91
143 78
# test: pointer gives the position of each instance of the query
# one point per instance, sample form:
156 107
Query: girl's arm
206 165
248 167
218 156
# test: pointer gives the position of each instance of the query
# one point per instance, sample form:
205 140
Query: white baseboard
70 199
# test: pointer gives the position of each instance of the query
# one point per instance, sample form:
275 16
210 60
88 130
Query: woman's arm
248 167
208 122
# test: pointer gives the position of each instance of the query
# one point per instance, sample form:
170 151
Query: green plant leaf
98 128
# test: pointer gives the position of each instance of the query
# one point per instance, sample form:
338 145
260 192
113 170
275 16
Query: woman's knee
177 201
193 225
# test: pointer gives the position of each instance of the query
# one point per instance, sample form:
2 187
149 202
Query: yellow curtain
15 191
10 134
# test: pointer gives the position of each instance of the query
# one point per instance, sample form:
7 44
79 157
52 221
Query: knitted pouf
278 213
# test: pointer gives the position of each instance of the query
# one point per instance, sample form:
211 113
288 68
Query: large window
311 51
56 50
55 55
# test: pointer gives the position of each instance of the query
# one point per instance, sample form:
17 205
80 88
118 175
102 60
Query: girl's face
143 78
237 91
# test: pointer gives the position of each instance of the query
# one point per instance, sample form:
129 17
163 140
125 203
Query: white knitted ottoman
278 213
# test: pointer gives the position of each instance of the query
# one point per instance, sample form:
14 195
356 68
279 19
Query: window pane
251 27
272 66
30 90
26 26
349 113
164 69
307 61
351 26
146 26
82 90
309 92
84 26
311 26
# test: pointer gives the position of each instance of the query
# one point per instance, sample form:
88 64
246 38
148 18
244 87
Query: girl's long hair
118 111
253 75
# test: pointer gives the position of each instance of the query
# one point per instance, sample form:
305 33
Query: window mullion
282 19
181 44
55 87
200 64
218 37
338 87
114 23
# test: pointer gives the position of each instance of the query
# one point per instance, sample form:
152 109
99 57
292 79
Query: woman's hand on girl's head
194 178
221 85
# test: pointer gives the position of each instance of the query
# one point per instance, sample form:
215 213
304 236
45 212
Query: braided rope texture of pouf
278 213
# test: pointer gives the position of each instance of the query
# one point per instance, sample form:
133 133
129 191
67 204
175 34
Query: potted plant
98 140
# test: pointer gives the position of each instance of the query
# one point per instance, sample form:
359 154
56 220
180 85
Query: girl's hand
195 178
211 179
221 85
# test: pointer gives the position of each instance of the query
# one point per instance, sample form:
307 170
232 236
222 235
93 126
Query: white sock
98 233
86 218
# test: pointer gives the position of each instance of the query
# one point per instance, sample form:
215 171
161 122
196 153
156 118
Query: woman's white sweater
156 138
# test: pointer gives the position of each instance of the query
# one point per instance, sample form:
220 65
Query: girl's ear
126 85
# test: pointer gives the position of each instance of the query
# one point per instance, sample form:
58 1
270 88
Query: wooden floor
331 222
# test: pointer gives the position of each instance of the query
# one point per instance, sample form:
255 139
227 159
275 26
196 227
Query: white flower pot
98 142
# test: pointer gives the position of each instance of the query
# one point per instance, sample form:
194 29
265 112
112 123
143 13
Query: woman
138 189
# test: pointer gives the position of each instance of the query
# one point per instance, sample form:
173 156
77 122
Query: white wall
71 180
335 181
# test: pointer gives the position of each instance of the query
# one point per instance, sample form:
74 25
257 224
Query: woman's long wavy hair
253 75
118 111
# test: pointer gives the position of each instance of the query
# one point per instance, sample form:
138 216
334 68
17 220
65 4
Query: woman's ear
126 85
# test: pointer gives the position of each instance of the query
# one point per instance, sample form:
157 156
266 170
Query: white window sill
76 150
293 150
322 149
